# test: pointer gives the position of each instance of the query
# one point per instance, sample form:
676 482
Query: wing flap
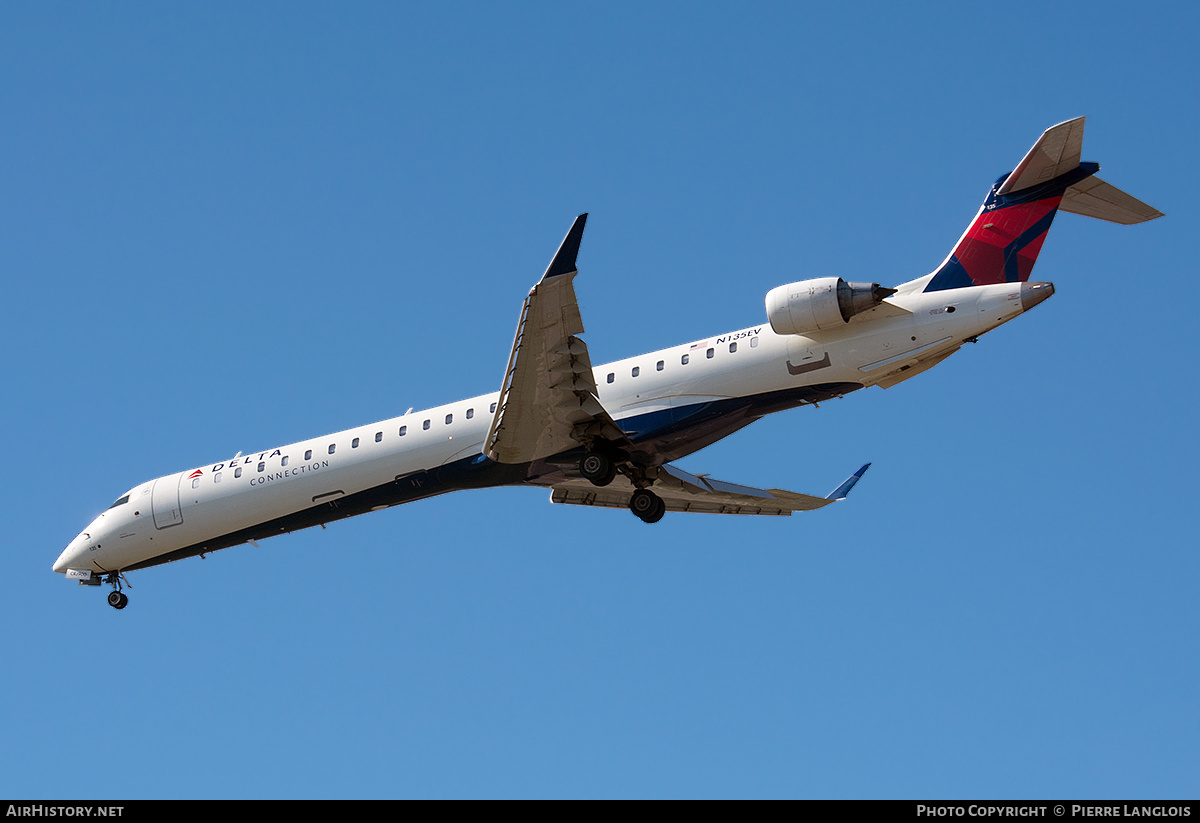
616 499
699 494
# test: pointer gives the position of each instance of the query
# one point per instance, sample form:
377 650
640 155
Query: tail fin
1002 243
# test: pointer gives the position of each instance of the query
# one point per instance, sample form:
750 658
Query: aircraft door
805 355
164 502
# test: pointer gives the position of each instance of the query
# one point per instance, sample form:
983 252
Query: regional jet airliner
609 435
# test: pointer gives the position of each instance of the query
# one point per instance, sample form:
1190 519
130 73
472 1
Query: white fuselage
229 498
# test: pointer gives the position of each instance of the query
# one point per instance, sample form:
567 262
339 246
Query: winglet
841 491
564 258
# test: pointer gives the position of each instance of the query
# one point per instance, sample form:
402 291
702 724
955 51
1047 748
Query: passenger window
378 437
637 370
308 455
425 425
262 466
754 342
354 443
237 472
217 477
611 377
709 354
684 360
332 448
660 365
470 413
732 348
493 409
284 461
449 419
403 430
196 483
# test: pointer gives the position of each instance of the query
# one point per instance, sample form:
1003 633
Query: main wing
684 492
549 404
549 400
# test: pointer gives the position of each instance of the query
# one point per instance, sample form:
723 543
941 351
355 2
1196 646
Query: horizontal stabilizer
1095 198
1055 153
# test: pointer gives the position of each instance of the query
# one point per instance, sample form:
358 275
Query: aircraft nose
63 562
1034 293
69 556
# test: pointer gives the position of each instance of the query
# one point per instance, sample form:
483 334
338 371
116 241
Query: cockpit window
124 499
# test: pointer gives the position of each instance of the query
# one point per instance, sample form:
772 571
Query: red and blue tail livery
1003 241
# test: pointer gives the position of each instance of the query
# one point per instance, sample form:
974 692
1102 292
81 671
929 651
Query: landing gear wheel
647 505
597 468
117 600
659 510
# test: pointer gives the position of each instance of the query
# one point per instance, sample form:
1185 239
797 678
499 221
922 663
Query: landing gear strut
647 505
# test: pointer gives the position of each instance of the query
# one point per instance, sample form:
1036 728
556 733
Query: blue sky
232 226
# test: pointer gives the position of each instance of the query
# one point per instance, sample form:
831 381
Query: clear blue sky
229 226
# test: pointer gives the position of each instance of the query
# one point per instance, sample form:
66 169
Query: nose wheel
117 598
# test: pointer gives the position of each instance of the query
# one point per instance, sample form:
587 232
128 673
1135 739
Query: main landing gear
647 505
599 468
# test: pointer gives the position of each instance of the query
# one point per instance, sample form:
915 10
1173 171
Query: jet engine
823 303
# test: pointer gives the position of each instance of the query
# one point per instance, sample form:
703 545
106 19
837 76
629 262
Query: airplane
609 436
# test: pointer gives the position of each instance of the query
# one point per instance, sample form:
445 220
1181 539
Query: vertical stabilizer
1003 241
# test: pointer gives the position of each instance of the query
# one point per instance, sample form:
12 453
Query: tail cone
1034 293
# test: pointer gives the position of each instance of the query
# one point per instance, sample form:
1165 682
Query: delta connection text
1056 810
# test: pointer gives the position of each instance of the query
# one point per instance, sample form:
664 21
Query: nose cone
1034 293
64 561
72 555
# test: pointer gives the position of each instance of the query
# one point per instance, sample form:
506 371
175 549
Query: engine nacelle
823 303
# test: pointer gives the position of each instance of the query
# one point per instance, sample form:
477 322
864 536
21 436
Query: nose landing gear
117 598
